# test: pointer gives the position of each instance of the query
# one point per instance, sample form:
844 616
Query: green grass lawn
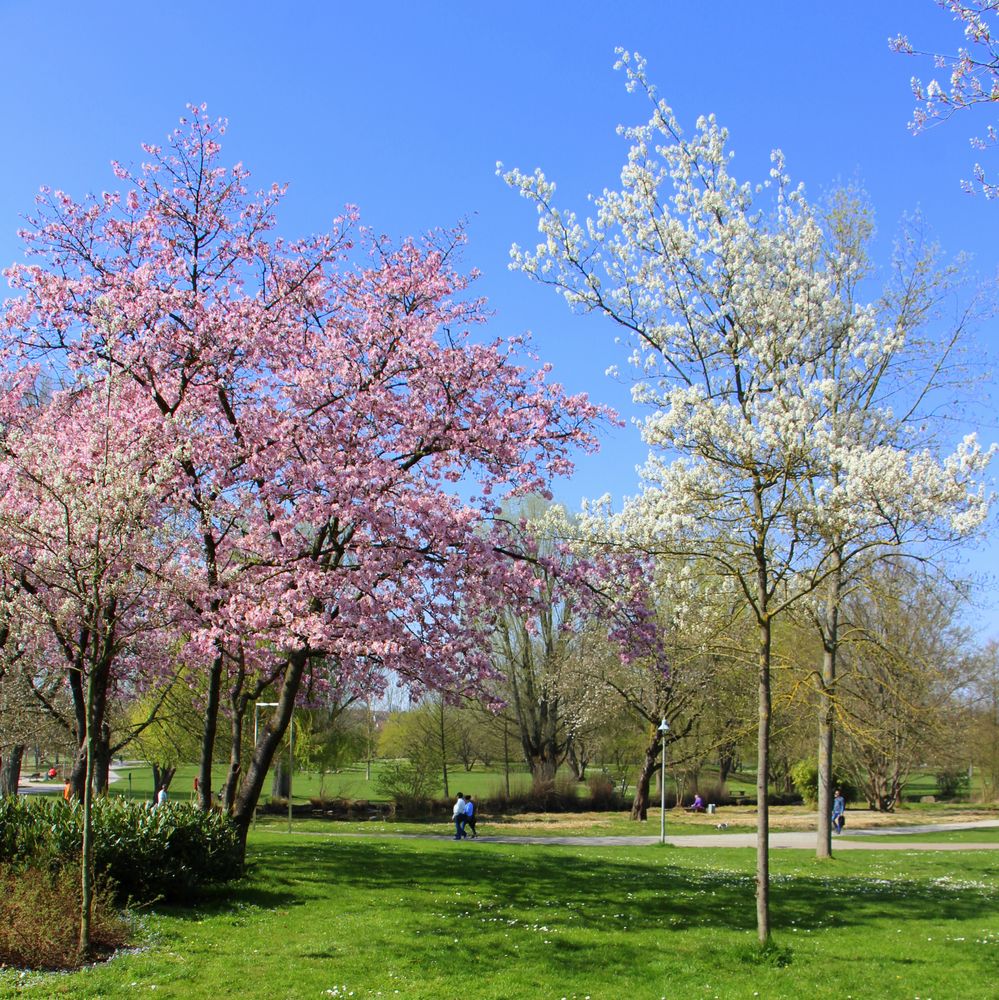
350 783
609 824
328 917
988 835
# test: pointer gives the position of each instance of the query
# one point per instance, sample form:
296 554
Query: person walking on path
838 812
470 815
458 815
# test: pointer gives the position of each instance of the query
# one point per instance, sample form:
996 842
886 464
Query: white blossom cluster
769 386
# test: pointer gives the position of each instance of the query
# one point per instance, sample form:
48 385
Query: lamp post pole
664 729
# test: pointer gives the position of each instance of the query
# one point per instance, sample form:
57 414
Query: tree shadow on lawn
547 883
221 899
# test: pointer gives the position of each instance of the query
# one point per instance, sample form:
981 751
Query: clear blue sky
403 108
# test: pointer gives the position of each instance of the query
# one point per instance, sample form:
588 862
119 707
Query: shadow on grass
593 914
224 898
544 883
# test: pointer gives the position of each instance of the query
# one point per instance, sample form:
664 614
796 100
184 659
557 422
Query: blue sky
405 108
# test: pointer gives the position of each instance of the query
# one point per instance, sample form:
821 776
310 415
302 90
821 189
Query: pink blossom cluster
302 422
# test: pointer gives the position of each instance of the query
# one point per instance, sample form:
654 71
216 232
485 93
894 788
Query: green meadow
321 915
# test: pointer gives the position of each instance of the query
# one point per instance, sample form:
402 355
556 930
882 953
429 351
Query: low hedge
161 853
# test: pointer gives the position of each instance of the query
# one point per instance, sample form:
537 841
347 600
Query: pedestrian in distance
470 815
458 815
161 796
838 812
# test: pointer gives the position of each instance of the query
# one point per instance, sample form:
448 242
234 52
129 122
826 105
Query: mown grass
420 919
982 835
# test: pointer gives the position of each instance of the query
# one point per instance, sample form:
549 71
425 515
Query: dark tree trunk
102 760
209 731
727 761
640 805
543 766
267 745
10 772
578 762
235 764
162 776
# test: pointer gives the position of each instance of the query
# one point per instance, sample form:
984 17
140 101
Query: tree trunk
10 773
162 776
762 806
281 785
506 755
443 739
543 767
208 733
640 804
87 847
235 763
267 745
578 762
102 761
727 758
827 685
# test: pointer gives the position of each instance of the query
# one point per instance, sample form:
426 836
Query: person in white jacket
458 815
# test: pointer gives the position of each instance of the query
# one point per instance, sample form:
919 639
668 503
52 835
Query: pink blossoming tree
321 403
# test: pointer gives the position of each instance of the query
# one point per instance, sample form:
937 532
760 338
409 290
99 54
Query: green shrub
408 784
952 782
805 775
40 918
166 852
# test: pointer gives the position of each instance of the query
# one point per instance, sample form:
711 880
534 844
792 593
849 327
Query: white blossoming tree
882 485
730 307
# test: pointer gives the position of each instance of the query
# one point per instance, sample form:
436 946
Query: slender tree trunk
281 782
506 755
208 733
827 694
235 762
10 773
443 739
762 805
87 847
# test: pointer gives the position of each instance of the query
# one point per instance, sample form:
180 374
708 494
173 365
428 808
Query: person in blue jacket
838 812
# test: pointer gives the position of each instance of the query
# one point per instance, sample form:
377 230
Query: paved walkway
861 840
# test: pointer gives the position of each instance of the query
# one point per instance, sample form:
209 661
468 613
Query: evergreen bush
160 853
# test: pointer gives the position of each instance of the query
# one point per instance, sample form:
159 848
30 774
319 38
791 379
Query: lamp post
291 749
664 729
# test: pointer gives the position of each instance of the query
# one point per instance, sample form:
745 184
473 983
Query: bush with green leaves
161 853
805 775
408 783
952 782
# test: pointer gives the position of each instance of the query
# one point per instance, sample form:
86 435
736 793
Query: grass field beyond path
328 917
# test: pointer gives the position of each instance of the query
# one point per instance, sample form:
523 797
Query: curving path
862 840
